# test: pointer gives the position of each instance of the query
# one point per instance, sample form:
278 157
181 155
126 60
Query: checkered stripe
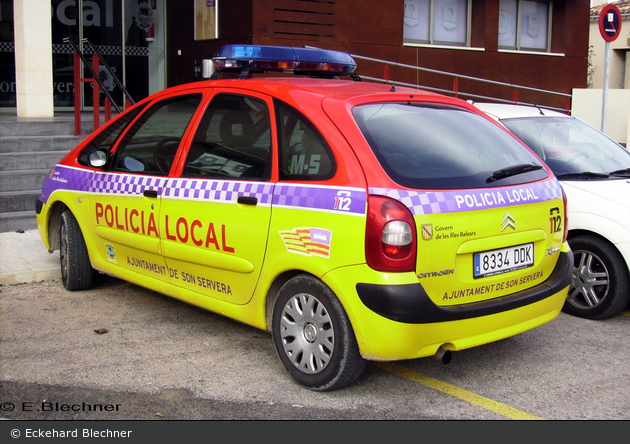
218 191
319 198
66 48
422 202
110 183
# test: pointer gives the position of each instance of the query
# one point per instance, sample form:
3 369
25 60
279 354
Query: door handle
150 193
247 200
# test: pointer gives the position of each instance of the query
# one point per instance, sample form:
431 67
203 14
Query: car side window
149 147
233 140
304 153
106 139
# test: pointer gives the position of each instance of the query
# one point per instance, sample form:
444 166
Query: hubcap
308 336
589 282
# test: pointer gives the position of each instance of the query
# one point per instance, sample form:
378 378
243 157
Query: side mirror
97 158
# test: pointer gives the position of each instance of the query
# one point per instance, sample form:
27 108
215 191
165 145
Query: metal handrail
97 77
110 71
456 78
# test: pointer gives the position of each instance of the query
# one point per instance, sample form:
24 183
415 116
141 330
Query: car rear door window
304 153
233 140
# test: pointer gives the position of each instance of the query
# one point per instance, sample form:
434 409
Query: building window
525 25
437 22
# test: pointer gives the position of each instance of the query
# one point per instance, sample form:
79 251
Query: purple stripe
65 178
320 198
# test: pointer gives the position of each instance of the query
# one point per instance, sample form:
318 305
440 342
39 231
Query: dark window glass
149 147
108 136
233 140
441 147
304 153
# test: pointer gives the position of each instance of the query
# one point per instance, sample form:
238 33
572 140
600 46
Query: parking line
501 409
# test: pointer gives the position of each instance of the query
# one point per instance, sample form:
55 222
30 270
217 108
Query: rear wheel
313 336
76 270
599 286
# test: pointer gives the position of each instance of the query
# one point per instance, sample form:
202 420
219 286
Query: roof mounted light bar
313 62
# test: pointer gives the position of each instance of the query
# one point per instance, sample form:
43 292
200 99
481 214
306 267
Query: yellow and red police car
354 221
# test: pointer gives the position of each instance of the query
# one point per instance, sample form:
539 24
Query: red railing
96 95
94 68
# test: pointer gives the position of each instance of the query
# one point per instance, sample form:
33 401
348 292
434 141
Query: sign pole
605 87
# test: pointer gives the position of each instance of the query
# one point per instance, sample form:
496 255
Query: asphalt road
121 352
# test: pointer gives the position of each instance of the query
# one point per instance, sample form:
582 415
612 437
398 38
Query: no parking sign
610 22
609 27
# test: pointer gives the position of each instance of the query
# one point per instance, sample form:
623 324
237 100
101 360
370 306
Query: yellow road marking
452 390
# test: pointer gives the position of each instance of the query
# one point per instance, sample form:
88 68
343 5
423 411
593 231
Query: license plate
503 260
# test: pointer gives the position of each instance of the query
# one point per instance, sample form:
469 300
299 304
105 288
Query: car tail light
390 242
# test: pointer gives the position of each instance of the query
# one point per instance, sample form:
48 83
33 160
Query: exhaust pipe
443 355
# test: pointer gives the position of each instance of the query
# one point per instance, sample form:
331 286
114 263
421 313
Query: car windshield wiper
513 171
582 175
625 172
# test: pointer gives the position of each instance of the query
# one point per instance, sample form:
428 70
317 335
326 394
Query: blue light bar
263 58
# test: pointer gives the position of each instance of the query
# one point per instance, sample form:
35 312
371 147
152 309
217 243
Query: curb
24 259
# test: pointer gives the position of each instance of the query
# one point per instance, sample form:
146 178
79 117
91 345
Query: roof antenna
393 88
512 85
386 68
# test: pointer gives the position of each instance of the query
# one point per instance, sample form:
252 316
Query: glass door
128 35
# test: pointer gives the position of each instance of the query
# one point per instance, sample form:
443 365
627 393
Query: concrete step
42 126
30 160
16 201
20 220
22 144
62 124
30 179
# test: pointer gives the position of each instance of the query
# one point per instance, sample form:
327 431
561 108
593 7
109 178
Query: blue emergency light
300 61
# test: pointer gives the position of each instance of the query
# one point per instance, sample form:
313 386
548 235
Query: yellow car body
465 265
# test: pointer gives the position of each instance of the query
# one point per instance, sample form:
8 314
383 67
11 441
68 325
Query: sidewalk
24 259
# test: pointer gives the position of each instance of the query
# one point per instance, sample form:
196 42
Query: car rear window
442 147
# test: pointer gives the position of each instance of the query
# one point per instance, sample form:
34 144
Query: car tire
313 336
76 270
600 281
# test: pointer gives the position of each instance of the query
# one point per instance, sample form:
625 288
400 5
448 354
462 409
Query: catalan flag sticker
308 241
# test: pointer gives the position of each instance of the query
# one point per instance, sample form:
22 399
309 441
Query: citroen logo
508 221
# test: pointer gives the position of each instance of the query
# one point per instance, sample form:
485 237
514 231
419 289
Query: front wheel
76 270
600 281
313 336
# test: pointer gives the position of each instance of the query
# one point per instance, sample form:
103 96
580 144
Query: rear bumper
410 304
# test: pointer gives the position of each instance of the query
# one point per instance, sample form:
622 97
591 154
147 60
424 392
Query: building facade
152 44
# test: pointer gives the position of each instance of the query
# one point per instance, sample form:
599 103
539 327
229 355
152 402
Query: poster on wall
206 19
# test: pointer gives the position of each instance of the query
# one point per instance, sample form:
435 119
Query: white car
595 174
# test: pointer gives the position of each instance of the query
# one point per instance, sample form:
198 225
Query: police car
594 172
354 221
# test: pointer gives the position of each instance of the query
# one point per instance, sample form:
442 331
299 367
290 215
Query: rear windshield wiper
513 171
625 172
582 175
